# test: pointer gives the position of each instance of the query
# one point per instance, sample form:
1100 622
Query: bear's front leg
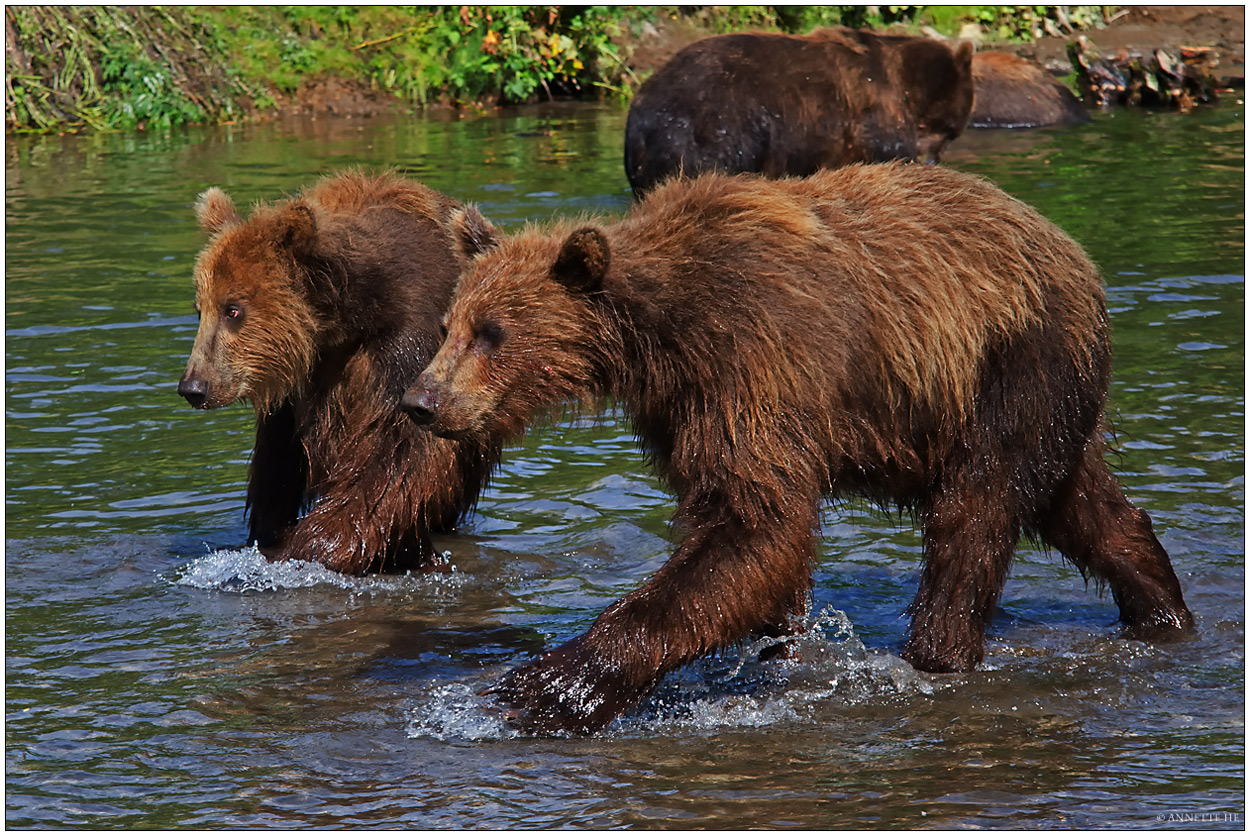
379 493
347 534
729 579
276 479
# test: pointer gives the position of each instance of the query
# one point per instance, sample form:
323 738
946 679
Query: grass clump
109 67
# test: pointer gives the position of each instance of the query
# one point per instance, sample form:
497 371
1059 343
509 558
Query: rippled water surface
161 675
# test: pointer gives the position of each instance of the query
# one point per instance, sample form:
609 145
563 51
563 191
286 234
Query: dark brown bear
901 332
320 310
792 104
1014 93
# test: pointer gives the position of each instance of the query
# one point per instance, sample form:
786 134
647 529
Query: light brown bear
906 333
320 310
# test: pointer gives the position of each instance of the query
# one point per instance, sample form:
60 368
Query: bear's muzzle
195 390
421 404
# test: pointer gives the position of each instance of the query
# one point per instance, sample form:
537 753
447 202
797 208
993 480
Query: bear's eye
442 330
233 315
489 336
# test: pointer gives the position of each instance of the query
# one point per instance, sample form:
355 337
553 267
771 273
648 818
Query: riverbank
146 67
1142 28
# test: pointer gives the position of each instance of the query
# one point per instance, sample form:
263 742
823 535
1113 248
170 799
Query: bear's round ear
583 261
297 229
473 233
215 211
964 53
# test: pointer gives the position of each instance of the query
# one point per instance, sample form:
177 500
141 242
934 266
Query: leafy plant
137 91
1028 23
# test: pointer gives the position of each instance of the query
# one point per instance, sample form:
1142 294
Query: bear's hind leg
970 532
1095 526
791 623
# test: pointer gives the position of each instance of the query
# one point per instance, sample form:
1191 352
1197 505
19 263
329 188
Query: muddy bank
1145 28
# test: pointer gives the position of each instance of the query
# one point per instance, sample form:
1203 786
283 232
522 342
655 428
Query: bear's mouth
439 428
451 434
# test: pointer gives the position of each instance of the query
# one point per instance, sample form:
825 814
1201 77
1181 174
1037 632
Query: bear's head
258 331
939 80
525 332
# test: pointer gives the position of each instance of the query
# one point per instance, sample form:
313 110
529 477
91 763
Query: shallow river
160 675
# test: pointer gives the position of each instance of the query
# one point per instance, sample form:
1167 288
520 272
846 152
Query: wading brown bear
320 310
1014 93
902 332
792 104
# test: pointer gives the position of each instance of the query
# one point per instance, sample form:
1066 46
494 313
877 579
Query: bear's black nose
421 405
195 390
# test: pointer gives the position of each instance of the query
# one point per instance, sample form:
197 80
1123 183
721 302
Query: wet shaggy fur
792 104
320 310
1014 93
900 332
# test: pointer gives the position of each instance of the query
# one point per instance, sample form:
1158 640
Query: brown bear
1014 93
901 332
320 310
791 104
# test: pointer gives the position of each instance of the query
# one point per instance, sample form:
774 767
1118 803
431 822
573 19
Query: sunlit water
161 674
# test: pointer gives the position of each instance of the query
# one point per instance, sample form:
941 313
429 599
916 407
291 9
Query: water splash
247 570
831 655
826 664
456 713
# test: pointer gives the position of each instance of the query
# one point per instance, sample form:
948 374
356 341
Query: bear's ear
963 55
297 229
583 261
215 211
474 234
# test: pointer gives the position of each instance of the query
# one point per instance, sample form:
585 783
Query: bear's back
354 191
1014 93
789 104
915 270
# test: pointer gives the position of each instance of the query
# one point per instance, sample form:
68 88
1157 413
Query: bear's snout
421 403
195 390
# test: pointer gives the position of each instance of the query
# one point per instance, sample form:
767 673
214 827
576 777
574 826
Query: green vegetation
115 67
112 67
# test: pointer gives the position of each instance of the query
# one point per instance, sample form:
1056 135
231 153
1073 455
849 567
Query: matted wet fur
319 310
901 332
792 104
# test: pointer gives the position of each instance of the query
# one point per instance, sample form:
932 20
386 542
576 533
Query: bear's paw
569 690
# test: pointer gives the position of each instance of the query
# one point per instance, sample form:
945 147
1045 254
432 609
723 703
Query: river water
159 675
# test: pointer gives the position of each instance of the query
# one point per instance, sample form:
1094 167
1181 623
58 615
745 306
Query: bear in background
792 104
904 333
1014 93
320 310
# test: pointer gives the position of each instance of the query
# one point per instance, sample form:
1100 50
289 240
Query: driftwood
1179 78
